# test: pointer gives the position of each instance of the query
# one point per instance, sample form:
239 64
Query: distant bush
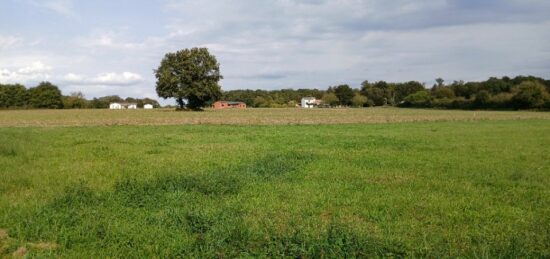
530 94
358 100
501 101
418 99
482 99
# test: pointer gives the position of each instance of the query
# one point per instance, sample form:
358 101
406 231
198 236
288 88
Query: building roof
231 102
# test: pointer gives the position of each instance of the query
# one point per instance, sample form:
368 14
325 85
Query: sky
111 47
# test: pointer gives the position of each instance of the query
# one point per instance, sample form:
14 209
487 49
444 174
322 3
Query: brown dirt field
251 116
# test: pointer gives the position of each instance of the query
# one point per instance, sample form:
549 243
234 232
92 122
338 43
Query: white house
148 106
120 106
115 106
308 102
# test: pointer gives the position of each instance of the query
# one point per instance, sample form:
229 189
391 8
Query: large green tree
45 95
13 96
191 76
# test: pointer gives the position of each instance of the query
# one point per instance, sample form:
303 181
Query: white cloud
32 73
111 79
34 68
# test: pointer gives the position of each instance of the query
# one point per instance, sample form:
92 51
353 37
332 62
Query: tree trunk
180 102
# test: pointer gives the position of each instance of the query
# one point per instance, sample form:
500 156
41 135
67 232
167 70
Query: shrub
358 100
330 99
529 94
500 101
443 92
482 98
418 99
444 103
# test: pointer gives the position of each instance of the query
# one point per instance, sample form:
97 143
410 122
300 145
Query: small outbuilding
115 106
309 102
228 104
148 106
120 106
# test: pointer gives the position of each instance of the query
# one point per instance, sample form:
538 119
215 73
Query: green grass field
431 188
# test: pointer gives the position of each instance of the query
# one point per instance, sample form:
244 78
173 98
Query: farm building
228 104
120 106
148 106
115 106
309 102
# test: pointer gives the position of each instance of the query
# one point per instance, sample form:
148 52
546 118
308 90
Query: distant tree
4 99
381 84
12 96
495 85
358 100
418 99
330 99
376 95
443 92
466 90
501 101
344 94
365 83
103 102
530 94
405 89
45 95
260 102
439 82
191 75
75 100
482 99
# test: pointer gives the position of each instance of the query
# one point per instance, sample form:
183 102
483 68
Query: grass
409 189
103 117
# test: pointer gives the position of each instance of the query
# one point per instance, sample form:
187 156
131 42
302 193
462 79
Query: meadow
256 116
333 183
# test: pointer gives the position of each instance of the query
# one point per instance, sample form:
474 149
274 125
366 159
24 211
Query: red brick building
228 104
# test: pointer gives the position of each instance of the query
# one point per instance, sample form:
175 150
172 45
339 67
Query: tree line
48 96
191 76
521 92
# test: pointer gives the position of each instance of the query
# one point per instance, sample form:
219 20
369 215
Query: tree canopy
345 94
45 95
191 76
